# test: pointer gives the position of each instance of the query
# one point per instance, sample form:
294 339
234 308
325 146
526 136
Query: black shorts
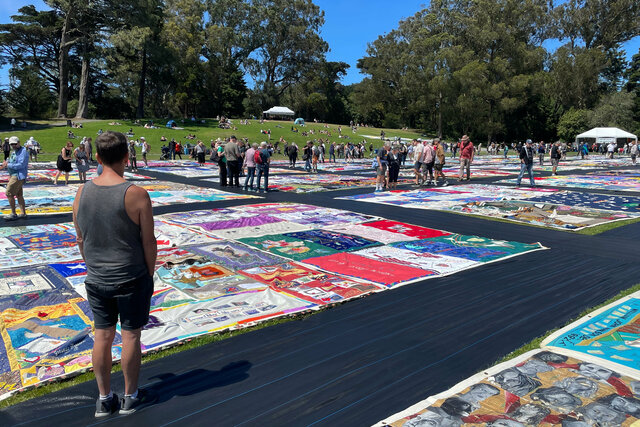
131 300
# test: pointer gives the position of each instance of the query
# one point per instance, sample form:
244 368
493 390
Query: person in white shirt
611 148
417 160
144 149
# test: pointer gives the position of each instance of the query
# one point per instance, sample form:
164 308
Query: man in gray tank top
114 224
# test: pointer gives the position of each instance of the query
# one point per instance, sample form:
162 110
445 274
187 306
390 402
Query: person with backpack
438 162
262 158
526 162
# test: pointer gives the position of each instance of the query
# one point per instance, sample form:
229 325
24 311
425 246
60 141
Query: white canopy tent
278 112
606 136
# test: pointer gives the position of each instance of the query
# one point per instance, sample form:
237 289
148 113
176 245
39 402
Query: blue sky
349 26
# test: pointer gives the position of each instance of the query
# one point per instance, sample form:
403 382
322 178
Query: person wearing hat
526 162
17 165
466 157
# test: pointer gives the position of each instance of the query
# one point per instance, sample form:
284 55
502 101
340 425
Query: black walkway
362 361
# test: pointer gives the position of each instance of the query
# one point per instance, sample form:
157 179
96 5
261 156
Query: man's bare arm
76 203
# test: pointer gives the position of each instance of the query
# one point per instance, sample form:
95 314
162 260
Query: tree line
481 67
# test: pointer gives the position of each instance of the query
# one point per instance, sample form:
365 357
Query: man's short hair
112 147
233 137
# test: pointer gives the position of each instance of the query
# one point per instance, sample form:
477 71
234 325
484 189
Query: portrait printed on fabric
545 389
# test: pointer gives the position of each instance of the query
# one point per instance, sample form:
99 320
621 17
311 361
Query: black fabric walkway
362 361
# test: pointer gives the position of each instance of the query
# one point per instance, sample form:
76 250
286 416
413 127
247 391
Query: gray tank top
112 242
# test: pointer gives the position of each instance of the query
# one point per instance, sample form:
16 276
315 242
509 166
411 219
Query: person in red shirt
467 152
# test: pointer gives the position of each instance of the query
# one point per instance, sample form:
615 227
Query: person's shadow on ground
199 380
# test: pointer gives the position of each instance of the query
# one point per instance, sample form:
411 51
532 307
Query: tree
614 110
29 93
33 40
289 44
573 123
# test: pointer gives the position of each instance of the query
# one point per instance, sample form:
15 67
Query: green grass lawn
52 135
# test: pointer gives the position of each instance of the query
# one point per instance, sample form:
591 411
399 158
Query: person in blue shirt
17 165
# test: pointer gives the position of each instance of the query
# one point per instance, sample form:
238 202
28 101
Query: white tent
278 111
606 135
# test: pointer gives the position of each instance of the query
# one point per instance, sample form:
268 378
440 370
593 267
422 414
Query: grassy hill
52 135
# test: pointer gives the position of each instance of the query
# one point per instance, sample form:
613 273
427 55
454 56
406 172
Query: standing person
144 149
200 152
633 150
233 161
306 156
556 154
611 148
13 123
263 166
172 148
315 156
332 152
292 151
178 150
222 164
114 226
454 149
417 160
394 158
439 162
381 170
17 165
428 160
64 163
33 148
6 148
506 150
526 162
585 150
133 164
82 162
250 164
466 157
541 150
88 147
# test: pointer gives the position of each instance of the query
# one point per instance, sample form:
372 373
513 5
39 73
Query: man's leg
468 165
12 204
131 359
460 174
266 178
530 170
522 168
21 203
101 358
259 178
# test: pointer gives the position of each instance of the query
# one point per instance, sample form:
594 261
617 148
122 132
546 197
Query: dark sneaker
104 408
129 405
